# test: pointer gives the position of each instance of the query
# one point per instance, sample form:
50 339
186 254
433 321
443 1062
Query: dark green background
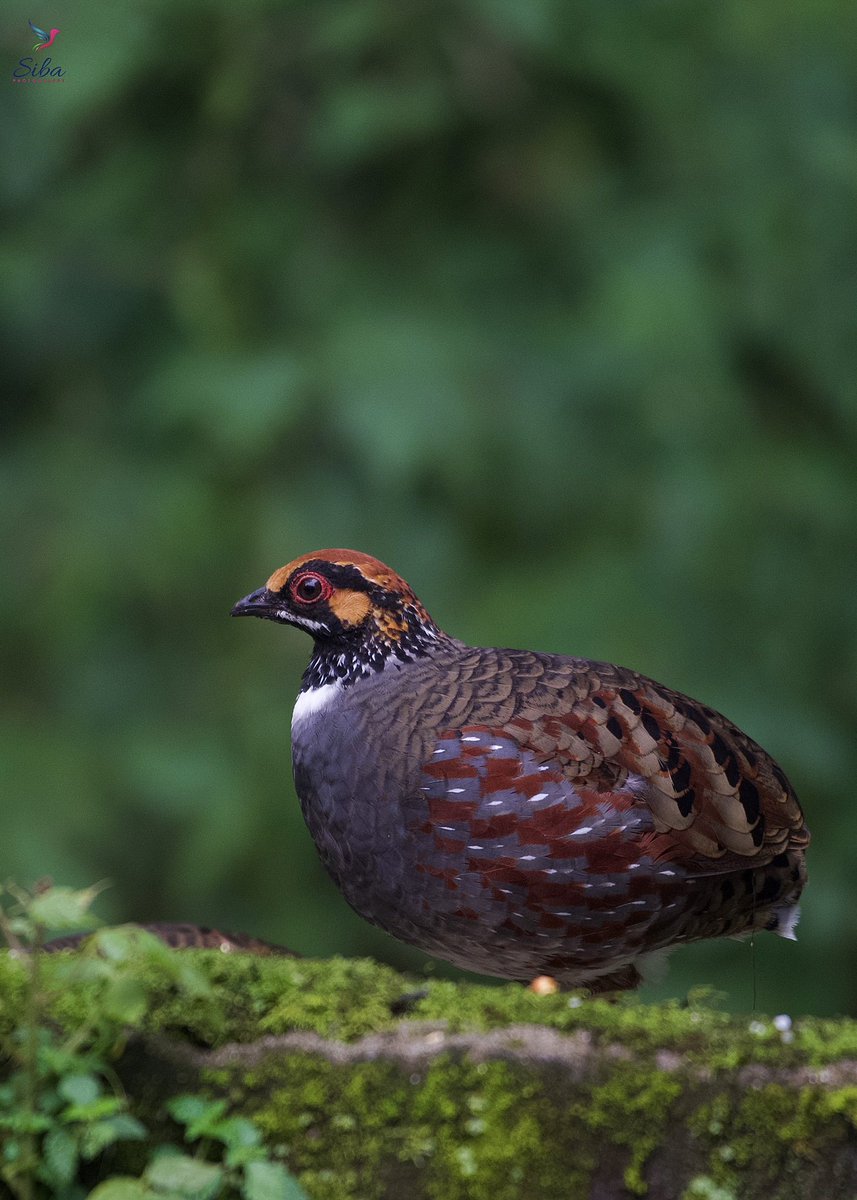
551 305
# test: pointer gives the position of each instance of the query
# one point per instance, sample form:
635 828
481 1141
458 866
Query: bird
45 39
520 814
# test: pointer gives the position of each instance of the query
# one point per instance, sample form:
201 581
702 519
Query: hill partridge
522 814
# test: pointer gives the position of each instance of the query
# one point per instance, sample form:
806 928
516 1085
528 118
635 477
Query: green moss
766 1138
449 1128
349 998
454 1130
633 1110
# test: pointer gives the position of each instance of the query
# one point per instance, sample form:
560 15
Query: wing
717 800
40 33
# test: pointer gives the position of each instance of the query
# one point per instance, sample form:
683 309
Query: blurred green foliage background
550 305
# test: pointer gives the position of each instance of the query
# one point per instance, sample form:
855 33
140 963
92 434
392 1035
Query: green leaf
190 1108
242 1140
189 979
122 1187
61 908
11 1150
98 1136
238 1132
124 1000
25 1122
79 1089
271 1181
59 1158
128 1128
104 1106
115 944
201 1117
188 1176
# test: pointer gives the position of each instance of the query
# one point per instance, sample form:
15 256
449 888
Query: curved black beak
260 603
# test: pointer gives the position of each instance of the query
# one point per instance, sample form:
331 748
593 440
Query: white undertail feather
787 919
654 965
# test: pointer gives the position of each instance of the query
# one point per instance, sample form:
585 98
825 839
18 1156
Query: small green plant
61 1104
229 1161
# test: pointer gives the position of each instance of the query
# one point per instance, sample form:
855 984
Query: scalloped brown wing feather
719 801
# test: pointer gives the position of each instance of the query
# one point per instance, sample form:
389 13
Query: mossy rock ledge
372 1085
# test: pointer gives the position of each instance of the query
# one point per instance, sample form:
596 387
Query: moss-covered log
371 1089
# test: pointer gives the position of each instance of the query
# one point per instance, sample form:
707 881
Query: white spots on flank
473 846
496 746
494 803
544 768
313 701
538 796
666 872
581 831
442 750
471 737
528 858
447 828
454 791
634 866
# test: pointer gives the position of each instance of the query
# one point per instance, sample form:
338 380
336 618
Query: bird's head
351 604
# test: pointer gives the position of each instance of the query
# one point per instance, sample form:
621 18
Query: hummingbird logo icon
45 39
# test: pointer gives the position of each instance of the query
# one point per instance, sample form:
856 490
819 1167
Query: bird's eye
309 588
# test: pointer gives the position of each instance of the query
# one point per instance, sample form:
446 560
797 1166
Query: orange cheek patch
350 607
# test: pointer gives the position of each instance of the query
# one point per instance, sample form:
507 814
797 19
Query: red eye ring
309 588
